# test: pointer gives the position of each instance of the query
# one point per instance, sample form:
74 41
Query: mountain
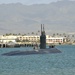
18 18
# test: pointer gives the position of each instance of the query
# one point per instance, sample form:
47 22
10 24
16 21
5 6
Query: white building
33 39
55 40
7 39
49 39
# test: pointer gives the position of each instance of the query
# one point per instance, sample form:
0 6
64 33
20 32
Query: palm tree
7 34
28 33
19 34
17 40
32 33
38 31
60 34
57 34
25 34
53 35
73 36
64 34
10 33
14 34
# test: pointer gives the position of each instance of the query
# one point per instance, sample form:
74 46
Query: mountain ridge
18 18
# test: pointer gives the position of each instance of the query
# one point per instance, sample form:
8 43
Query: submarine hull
39 51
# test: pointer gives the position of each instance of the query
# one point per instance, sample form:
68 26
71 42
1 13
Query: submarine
41 50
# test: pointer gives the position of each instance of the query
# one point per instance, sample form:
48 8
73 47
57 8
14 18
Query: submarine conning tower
42 38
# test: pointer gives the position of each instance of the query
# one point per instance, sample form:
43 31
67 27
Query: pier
4 45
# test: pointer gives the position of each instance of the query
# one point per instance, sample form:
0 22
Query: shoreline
30 45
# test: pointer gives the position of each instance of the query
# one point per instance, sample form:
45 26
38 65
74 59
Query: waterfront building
49 39
55 40
7 39
32 39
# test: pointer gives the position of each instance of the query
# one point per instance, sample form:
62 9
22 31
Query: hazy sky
27 2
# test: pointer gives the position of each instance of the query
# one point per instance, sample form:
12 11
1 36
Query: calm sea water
41 64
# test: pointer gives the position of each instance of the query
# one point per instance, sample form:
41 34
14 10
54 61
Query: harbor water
38 64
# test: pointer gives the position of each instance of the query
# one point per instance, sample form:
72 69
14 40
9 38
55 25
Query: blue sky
27 2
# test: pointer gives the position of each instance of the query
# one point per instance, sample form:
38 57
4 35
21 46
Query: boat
41 50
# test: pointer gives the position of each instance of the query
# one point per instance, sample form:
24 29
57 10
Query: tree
53 35
32 33
73 36
28 33
38 31
17 40
57 34
10 33
60 34
64 34
7 34
25 34
19 34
